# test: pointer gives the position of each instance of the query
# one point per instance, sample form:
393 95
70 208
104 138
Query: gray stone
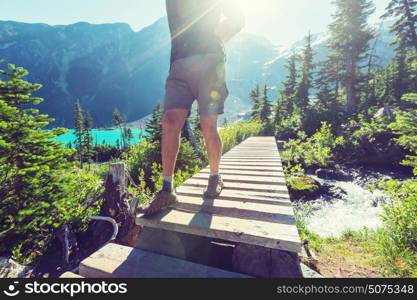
309 273
11 269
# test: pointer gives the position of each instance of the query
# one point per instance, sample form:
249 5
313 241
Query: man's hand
233 22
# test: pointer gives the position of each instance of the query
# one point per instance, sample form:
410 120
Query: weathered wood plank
241 186
245 179
247 196
261 233
116 261
252 168
243 210
271 174
70 275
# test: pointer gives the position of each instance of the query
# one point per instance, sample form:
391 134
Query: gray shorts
201 78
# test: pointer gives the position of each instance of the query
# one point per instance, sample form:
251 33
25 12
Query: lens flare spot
215 95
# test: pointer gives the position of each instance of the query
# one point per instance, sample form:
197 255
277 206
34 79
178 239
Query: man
198 30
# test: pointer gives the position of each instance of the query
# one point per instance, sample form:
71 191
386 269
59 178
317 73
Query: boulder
11 269
332 174
304 188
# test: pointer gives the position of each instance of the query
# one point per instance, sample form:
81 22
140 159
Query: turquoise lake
103 137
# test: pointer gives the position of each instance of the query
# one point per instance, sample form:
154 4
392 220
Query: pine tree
31 166
118 121
349 45
326 83
401 74
154 125
255 96
287 95
265 109
406 25
302 94
88 137
79 132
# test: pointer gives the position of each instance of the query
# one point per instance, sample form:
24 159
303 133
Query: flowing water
356 209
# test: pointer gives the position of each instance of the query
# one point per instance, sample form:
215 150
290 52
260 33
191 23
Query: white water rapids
359 208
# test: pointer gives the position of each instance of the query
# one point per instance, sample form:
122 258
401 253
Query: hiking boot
161 201
214 187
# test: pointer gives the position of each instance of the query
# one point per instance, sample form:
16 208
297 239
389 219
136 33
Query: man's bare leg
214 149
213 141
172 123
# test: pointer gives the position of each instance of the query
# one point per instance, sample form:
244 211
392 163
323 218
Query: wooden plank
241 186
251 168
247 196
245 179
255 232
274 174
243 210
70 275
250 164
116 261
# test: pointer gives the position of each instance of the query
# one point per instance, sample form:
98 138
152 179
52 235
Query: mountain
109 65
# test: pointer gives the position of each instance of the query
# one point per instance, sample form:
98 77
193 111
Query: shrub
317 150
236 133
370 142
399 238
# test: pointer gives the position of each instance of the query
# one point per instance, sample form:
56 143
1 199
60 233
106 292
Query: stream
353 208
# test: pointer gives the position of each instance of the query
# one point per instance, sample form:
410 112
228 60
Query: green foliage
154 125
236 133
370 142
405 126
38 193
399 238
262 109
317 150
405 26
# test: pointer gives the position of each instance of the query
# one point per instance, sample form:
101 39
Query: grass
360 254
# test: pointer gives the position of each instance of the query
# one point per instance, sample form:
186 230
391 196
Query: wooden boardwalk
250 230
254 207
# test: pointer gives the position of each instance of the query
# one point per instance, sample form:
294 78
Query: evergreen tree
31 168
302 94
406 25
79 131
327 85
287 95
154 125
88 137
118 121
265 109
255 96
349 45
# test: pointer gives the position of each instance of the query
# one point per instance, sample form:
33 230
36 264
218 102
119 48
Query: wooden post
116 205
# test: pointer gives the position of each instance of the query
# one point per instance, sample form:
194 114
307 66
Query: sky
283 22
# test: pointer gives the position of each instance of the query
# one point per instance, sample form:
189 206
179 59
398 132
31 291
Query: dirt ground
337 267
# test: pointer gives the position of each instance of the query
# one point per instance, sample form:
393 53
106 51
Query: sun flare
255 9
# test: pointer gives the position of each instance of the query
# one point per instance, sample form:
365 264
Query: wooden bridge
249 231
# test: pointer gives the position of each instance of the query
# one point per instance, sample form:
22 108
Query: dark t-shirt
193 24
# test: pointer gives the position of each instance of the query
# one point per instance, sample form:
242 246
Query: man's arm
233 22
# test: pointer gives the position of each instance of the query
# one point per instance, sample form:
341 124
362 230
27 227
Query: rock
304 188
331 174
11 269
334 192
309 273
